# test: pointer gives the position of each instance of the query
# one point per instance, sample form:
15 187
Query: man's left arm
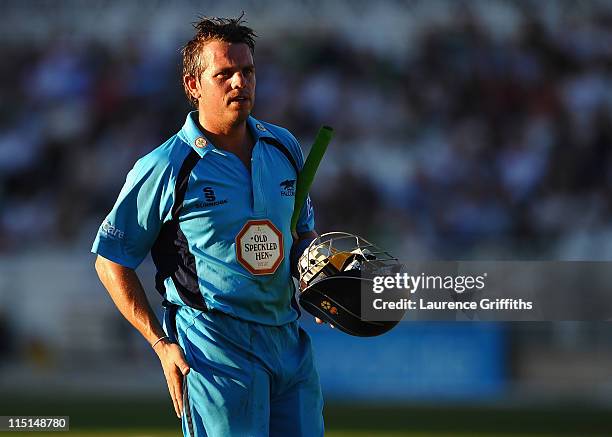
299 246
305 226
297 249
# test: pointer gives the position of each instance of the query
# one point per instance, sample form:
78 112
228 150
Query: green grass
154 418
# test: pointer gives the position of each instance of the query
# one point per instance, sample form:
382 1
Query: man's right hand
127 293
175 368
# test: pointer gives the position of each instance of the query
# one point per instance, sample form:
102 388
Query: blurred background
464 130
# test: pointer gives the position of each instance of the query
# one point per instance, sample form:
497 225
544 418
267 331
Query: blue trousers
247 379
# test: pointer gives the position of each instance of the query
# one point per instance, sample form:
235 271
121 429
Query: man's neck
233 138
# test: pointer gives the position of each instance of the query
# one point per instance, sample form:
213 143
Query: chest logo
287 187
259 247
210 199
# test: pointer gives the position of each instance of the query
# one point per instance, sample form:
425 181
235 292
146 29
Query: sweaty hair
208 29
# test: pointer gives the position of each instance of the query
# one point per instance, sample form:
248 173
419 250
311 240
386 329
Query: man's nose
238 80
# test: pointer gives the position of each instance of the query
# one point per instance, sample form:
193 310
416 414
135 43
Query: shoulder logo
210 199
288 187
200 142
111 231
260 127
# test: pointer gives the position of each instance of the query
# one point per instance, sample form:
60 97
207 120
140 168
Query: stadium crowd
473 142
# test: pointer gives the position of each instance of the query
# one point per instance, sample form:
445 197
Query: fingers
171 381
181 369
178 391
321 322
178 360
175 368
175 387
182 365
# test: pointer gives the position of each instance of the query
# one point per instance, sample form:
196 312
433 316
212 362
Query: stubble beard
235 117
225 118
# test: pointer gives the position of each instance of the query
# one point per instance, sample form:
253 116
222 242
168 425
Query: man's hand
175 368
125 289
321 322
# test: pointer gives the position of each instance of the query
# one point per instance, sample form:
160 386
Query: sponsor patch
259 247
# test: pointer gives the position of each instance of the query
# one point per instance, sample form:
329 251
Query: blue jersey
219 235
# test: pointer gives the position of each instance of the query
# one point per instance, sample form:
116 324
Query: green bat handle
306 176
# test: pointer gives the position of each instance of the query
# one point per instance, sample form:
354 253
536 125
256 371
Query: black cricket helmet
332 273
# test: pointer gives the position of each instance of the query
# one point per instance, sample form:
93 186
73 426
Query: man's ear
191 84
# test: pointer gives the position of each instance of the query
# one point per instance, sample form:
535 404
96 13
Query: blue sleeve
306 221
131 228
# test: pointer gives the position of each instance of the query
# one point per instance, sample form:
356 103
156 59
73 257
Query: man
213 204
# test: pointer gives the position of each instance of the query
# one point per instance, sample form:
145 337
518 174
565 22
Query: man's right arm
127 293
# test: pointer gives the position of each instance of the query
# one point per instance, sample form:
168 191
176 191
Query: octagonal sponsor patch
259 247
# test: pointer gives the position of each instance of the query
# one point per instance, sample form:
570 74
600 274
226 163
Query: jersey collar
192 135
257 128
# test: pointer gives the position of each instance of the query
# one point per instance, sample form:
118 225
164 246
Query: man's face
226 88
